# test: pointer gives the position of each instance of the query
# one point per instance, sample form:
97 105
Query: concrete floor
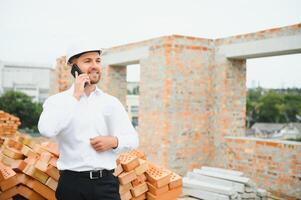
187 198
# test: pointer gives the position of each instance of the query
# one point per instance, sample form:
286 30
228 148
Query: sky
35 31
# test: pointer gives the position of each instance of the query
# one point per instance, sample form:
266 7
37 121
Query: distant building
32 79
275 130
290 131
266 130
132 102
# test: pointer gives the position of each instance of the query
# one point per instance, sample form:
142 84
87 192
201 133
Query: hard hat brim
100 51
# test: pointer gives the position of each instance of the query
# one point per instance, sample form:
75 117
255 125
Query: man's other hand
104 143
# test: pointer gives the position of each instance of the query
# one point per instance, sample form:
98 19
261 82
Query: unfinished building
193 104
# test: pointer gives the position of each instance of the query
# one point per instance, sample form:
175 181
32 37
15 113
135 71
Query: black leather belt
94 174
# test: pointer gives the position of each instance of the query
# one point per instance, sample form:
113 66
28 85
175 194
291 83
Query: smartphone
74 69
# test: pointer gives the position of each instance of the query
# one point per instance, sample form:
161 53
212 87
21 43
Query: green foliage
22 106
275 106
134 91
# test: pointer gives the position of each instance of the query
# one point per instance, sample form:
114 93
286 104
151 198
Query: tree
275 106
22 106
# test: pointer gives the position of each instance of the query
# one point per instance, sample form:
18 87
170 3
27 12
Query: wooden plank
238 187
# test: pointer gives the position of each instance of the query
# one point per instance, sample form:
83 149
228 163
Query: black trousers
73 186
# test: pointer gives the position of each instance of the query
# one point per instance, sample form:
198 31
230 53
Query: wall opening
132 98
273 107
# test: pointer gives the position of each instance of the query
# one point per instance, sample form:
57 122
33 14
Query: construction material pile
28 169
8 124
217 183
140 179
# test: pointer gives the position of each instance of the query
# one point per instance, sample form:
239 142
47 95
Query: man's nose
95 66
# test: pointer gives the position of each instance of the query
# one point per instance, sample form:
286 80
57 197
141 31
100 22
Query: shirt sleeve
121 127
56 115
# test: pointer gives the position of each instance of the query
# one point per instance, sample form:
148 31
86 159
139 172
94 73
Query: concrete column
175 103
113 81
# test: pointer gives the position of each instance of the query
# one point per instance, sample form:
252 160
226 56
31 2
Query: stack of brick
62 75
140 179
8 124
28 168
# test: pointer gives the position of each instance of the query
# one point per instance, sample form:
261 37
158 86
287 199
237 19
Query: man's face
90 63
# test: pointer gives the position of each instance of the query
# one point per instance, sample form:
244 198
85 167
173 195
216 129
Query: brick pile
140 179
28 168
8 124
63 77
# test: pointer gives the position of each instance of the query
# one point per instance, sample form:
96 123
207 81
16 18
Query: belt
94 174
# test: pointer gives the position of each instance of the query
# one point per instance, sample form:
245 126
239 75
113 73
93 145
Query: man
91 127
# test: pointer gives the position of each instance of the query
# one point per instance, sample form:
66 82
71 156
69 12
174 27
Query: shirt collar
97 90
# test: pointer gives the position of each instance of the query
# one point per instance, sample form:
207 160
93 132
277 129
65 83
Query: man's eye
98 61
87 61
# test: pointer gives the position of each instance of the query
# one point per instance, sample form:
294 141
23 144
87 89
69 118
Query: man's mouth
94 72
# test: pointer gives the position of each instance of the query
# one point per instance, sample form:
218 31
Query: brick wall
273 165
174 101
113 81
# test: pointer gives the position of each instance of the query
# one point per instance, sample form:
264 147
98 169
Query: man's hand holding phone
79 84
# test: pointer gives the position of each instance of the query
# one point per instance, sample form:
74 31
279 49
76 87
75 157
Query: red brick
170 195
53 161
9 193
32 171
141 197
143 166
127 177
125 188
118 170
45 157
41 165
7 160
139 189
157 191
126 196
28 193
140 179
12 153
175 181
52 183
41 189
158 176
19 165
128 162
26 150
53 172
137 153
6 172
51 147
13 181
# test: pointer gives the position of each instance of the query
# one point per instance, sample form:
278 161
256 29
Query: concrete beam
202 194
199 185
238 179
262 48
238 187
126 57
224 171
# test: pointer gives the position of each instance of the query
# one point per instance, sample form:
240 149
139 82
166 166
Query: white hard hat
80 49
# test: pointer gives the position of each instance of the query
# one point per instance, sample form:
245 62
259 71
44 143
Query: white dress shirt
73 122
